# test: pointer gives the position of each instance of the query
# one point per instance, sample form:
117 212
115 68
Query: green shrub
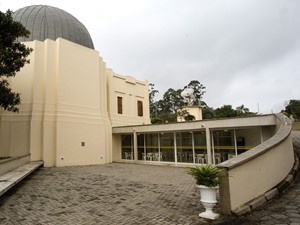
207 175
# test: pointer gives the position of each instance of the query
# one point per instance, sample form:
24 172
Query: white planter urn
209 200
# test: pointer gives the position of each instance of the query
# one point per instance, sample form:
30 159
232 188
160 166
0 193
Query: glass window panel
166 147
141 147
151 146
224 147
184 144
200 147
127 147
247 139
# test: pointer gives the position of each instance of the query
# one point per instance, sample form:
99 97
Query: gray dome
47 22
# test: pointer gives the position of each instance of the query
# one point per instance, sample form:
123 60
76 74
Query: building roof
47 22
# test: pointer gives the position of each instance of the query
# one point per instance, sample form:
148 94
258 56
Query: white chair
156 157
200 158
218 158
127 155
149 156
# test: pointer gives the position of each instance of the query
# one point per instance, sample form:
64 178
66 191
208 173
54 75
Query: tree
242 110
171 101
184 114
208 112
165 109
225 111
13 56
293 109
198 91
152 103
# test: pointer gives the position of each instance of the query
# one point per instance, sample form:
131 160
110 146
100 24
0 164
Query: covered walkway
199 142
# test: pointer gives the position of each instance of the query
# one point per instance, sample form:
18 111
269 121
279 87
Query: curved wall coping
241 183
13 162
282 133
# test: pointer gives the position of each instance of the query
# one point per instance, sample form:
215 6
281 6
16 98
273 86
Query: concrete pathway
119 194
107 194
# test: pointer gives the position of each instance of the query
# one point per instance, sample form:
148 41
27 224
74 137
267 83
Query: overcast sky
243 52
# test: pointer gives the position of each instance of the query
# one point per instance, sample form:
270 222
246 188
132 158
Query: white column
193 144
135 150
235 144
208 144
175 147
158 143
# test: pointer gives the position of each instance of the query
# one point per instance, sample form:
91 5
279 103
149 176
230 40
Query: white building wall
131 90
64 117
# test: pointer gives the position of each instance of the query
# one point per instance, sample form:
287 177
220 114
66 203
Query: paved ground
119 194
109 194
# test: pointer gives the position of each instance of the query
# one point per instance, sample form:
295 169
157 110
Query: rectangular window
120 105
140 108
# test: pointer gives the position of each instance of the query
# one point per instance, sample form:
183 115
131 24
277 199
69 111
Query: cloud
244 52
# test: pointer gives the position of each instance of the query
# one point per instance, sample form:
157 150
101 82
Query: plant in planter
207 180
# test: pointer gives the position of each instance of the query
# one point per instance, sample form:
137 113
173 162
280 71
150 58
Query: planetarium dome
47 22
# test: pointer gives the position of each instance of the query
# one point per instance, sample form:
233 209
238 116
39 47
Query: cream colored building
194 110
76 111
70 99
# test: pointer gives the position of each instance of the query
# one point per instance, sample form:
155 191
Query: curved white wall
255 172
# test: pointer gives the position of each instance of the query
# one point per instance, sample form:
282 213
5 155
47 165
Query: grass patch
296 126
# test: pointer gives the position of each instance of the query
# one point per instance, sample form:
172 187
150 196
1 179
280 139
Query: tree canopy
165 109
198 91
293 109
13 56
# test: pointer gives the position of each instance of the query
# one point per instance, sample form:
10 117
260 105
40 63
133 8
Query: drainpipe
208 144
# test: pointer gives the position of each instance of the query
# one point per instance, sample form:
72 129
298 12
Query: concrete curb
11 178
262 199
12 163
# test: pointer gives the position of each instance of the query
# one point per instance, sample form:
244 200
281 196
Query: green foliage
12 58
152 104
198 91
293 109
8 99
207 175
208 113
156 120
165 109
171 100
225 111
189 117
183 113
